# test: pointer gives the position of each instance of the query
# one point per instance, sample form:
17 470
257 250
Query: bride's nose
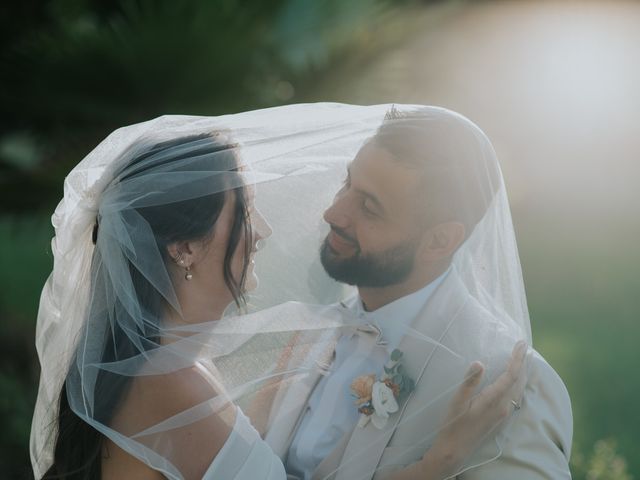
261 228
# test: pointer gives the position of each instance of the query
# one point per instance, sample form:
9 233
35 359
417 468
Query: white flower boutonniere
377 399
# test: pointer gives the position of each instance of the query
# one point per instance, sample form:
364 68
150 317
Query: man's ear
442 240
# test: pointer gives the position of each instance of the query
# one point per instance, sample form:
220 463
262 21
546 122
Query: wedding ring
515 404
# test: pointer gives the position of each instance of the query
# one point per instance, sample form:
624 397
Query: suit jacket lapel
347 454
290 403
366 445
290 410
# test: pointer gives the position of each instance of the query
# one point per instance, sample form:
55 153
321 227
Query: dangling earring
188 275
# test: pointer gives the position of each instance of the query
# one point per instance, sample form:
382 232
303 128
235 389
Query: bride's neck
200 302
191 312
190 315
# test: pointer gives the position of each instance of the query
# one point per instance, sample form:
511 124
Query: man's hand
472 418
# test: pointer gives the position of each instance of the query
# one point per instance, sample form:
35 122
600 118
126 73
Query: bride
150 350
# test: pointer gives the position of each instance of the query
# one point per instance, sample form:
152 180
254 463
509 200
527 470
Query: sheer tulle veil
289 161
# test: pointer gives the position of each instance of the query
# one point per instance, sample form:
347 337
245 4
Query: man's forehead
375 171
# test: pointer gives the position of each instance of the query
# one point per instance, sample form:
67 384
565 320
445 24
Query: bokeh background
555 85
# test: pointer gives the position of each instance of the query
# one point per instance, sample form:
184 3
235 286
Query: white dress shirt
331 411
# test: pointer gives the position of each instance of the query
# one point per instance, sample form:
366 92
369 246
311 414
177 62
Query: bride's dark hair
79 447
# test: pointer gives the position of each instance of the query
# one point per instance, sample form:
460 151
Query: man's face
375 232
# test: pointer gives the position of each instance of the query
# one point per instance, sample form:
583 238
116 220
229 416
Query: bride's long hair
78 446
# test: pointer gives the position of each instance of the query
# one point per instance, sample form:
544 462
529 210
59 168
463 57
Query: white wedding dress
245 456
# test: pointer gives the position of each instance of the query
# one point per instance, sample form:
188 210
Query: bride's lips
338 243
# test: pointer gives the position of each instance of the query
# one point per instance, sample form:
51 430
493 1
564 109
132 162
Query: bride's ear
181 253
442 240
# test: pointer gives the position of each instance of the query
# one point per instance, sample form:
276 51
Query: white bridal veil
102 324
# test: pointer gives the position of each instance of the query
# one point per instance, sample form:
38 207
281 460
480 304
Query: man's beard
383 269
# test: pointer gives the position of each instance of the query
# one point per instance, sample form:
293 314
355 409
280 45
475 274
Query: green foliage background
74 70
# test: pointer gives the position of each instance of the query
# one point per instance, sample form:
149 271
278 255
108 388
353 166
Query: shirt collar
395 318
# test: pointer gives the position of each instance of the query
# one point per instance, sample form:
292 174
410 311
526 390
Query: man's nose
338 213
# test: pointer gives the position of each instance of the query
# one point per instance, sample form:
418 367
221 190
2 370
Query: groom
419 228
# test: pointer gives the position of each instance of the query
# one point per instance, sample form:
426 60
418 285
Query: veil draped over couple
309 291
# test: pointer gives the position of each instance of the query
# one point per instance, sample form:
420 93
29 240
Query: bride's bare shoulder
151 399
202 417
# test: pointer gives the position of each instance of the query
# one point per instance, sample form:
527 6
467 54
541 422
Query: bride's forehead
249 190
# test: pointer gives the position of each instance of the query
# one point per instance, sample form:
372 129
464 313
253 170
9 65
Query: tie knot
372 329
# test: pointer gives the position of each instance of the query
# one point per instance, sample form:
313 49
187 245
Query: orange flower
393 386
362 387
366 410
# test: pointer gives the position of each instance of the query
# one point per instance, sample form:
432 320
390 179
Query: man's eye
368 210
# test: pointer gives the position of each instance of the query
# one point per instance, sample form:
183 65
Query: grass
584 306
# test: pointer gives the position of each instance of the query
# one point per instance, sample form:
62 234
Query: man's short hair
455 159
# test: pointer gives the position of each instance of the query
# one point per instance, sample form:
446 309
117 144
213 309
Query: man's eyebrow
369 196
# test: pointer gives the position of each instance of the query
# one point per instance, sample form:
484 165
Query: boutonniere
377 398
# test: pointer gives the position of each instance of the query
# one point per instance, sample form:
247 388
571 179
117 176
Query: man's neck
375 297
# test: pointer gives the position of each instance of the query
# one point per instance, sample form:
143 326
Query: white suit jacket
451 331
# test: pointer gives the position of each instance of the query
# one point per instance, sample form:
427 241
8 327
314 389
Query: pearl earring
188 275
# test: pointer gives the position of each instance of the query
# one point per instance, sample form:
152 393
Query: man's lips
338 243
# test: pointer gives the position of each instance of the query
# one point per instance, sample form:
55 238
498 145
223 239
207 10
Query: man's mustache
342 234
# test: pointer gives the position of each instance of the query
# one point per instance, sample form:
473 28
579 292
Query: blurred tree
81 69
74 70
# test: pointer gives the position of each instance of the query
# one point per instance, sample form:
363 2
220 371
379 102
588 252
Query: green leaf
410 384
396 355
